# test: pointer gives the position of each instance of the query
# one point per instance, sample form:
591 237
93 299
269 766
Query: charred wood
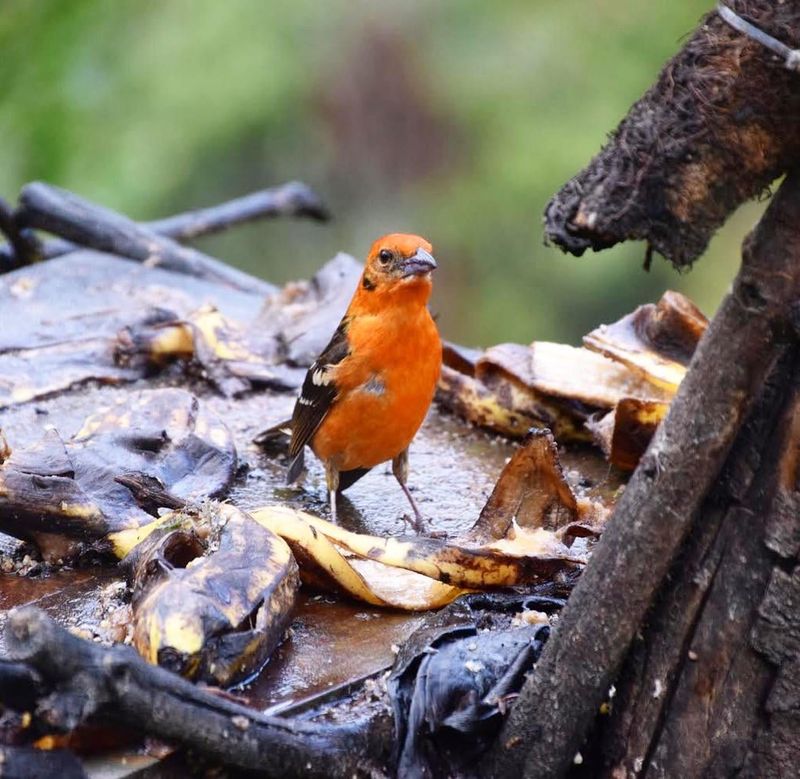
81 223
750 334
716 129
116 685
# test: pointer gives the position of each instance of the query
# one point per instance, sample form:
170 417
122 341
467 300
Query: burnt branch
23 247
721 123
65 214
681 467
114 684
80 222
294 199
32 762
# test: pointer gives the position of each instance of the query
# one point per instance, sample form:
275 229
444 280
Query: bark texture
115 686
708 479
720 124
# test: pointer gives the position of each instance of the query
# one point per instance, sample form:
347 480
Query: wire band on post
791 57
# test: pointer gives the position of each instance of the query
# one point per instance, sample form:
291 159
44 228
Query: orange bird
366 395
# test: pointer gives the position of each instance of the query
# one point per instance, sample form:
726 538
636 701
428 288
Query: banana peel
521 538
569 373
470 399
624 433
532 493
217 617
322 551
60 494
517 540
530 557
231 357
272 350
655 342
613 391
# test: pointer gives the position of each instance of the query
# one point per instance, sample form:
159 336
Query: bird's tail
296 467
273 433
271 436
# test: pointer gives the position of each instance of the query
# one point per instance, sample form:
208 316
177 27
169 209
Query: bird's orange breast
386 385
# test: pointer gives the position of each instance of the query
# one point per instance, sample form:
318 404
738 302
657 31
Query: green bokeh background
456 119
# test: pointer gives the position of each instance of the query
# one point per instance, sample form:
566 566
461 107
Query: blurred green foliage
456 119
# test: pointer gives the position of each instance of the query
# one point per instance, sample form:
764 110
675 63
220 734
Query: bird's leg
332 480
400 471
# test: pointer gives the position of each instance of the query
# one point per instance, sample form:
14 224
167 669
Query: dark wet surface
453 469
330 642
70 596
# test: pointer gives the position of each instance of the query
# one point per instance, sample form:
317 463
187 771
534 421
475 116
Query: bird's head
398 260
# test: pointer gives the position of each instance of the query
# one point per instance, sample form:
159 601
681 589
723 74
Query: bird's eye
385 256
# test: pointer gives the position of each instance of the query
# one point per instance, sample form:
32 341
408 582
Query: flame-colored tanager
366 395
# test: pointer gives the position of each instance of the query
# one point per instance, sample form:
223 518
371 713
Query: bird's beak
419 264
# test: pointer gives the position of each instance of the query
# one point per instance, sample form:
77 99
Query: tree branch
115 684
559 703
23 246
716 129
86 224
294 199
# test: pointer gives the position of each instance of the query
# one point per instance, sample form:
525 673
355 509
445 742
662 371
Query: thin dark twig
293 199
63 213
23 246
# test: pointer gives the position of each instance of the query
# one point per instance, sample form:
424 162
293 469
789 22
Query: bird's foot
416 523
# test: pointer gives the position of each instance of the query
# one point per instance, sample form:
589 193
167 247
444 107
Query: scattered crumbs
395 649
240 721
472 647
658 688
81 632
692 655
474 666
534 618
26 566
578 759
612 691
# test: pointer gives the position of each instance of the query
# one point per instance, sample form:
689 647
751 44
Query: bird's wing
318 393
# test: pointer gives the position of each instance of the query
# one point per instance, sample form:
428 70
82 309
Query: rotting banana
220 616
541 555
